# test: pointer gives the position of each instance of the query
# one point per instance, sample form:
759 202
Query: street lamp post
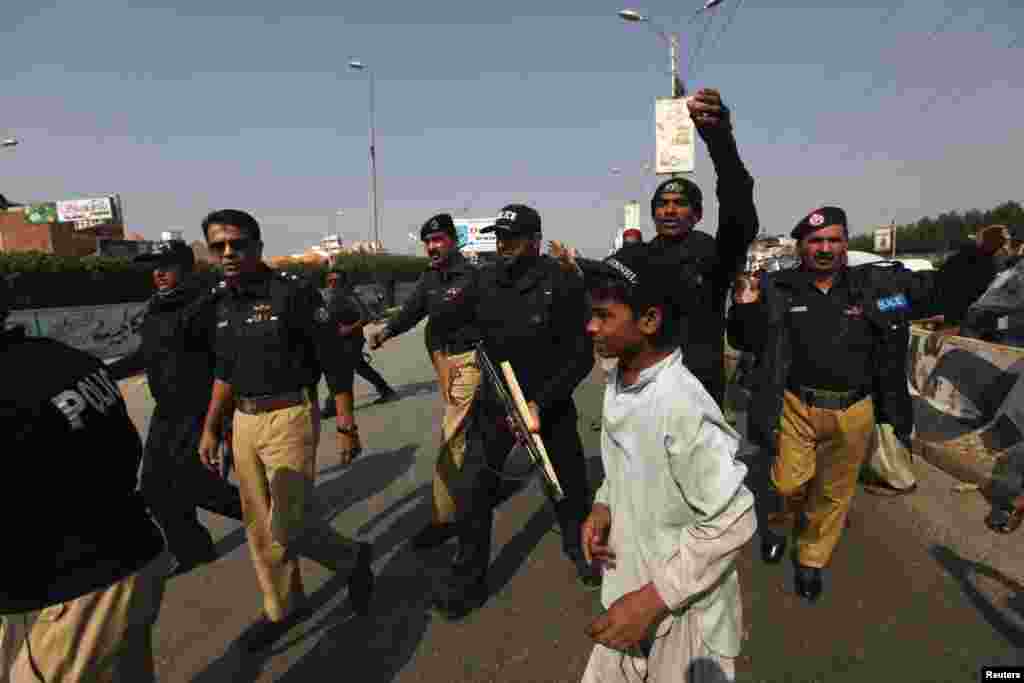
678 88
357 65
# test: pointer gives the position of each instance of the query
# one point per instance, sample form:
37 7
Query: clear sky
893 111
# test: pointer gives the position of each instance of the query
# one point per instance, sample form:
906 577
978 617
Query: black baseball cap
442 222
169 253
518 219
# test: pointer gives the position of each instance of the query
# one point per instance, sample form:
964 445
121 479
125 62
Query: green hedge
364 267
41 262
58 281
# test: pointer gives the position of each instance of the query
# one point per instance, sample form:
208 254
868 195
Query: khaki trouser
275 460
819 458
103 637
459 377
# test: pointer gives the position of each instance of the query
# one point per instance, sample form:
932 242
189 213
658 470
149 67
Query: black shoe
386 397
264 633
808 582
452 604
585 572
433 535
773 547
360 582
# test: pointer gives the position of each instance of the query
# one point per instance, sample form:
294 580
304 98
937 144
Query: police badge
321 314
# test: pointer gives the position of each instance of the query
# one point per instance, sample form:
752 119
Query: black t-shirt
832 341
71 455
272 336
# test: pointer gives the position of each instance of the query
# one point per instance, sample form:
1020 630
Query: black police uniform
710 264
68 436
344 307
178 357
439 293
534 317
272 336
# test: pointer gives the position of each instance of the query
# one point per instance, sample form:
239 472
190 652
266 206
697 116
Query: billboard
85 213
883 239
469 237
673 136
41 213
631 215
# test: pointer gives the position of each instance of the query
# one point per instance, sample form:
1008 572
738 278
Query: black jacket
534 318
176 353
708 265
973 271
762 328
71 447
440 293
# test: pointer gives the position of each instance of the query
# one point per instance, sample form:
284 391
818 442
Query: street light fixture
357 65
9 142
678 88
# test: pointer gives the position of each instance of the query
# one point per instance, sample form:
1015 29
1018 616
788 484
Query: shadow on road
962 569
406 391
364 478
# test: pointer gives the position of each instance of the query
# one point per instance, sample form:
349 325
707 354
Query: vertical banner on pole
674 135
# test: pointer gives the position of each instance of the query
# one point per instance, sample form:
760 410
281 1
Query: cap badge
674 187
816 220
509 216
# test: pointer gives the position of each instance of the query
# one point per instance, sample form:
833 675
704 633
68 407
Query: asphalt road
919 590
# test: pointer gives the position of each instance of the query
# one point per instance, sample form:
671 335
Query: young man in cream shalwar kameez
672 515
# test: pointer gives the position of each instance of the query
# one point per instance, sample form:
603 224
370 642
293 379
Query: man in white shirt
672 515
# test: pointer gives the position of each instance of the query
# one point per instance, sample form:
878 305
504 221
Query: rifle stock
512 398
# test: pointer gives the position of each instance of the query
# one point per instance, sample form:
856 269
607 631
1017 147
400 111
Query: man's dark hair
638 300
240 219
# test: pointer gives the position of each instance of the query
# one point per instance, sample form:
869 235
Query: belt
826 398
254 405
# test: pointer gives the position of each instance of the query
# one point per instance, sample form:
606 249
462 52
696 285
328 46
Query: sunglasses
240 244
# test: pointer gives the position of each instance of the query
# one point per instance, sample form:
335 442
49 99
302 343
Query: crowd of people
659 537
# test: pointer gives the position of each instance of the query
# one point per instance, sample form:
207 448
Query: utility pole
892 238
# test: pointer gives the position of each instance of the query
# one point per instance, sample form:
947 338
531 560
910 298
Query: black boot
773 546
454 600
808 582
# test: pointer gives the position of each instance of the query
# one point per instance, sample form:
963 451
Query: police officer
831 343
177 355
82 583
440 295
348 317
272 345
705 263
532 314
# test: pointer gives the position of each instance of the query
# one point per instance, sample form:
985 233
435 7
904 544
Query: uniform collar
255 284
525 279
457 263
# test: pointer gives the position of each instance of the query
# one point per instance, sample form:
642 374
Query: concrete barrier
112 331
968 403
104 331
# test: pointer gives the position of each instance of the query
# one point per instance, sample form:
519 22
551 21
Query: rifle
507 387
